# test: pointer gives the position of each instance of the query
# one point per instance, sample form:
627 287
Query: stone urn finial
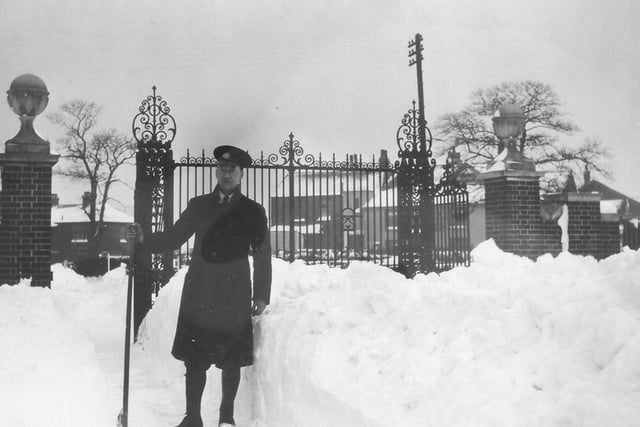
27 96
508 124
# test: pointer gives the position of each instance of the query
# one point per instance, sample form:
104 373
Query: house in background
468 175
70 228
322 209
615 206
381 228
381 209
332 212
353 210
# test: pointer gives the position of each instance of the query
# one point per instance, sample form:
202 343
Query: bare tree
470 131
91 155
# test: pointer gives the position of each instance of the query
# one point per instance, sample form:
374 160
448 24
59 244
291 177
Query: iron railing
320 211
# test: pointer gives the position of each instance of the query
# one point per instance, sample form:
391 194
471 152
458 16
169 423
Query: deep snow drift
506 341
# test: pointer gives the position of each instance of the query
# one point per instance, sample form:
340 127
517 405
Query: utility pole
426 187
415 53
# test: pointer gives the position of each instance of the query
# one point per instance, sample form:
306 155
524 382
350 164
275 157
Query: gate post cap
28 95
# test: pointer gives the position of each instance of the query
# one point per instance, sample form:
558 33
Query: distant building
347 210
615 206
70 228
612 202
323 208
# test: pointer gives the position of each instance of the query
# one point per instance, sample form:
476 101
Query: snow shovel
123 417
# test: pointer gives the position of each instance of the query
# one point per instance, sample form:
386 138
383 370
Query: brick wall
25 222
513 215
65 249
588 233
513 218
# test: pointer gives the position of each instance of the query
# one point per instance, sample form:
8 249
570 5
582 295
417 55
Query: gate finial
154 127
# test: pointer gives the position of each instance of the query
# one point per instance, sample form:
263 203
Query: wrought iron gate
433 219
433 222
153 129
319 210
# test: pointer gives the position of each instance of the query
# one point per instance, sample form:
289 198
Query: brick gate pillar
25 195
513 219
512 194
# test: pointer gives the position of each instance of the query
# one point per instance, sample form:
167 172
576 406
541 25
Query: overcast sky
335 73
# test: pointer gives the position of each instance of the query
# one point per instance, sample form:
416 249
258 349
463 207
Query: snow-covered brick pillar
25 198
512 193
513 213
589 233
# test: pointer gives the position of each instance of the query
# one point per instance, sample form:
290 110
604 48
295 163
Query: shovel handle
123 417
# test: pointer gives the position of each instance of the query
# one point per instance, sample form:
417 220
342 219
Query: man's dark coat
214 322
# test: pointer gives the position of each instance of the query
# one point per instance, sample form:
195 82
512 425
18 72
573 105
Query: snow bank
506 341
49 352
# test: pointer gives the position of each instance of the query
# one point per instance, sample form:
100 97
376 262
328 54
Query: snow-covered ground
504 342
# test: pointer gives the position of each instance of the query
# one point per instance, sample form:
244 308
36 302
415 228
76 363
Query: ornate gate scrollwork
415 196
154 130
429 239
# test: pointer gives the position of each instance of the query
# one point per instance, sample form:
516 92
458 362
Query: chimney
384 159
55 200
570 185
587 174
86 200
453 157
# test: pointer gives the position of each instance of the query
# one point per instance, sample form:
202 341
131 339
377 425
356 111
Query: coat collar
236 195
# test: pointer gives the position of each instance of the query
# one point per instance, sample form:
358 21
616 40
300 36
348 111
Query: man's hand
134 232
258 307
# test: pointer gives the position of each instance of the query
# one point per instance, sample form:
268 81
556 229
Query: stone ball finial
28 95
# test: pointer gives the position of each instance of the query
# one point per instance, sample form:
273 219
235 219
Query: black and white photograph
314 213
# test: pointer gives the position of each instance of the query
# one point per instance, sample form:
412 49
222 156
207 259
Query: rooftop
66 214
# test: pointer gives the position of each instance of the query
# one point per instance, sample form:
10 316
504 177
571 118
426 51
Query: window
79 233
392 219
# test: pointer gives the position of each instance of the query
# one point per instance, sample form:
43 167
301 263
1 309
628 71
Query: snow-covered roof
628 205
610 206
387 198
329 183
65 214
384 199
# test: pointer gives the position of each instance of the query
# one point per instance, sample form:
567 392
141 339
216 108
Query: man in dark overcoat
214 322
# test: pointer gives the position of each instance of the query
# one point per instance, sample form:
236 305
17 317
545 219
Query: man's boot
230 383
195 380
191 421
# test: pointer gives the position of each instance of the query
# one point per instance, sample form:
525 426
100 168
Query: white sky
335 73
